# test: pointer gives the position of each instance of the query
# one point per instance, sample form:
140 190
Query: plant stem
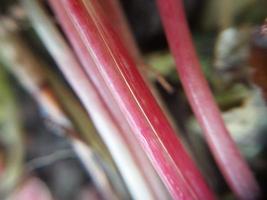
112 66
113 9
225 152
104 122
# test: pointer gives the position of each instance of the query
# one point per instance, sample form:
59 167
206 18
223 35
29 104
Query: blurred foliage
12 147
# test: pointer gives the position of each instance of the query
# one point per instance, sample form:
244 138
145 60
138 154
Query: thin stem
225 152
108 129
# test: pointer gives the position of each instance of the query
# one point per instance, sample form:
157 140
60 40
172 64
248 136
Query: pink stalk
72 73
115 14
116 69
109 131
225 152
113 10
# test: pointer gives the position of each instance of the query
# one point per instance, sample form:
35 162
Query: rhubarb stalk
225 152
114 67
105 124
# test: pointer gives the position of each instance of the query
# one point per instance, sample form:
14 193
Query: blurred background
37 161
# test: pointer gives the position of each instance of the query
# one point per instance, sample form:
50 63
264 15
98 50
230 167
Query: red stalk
113 10
117 70
73 72
231 163
157 190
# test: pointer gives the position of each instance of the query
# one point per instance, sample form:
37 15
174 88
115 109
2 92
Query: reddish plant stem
225 152
119 73
101 117
113 10
145 167
117 18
